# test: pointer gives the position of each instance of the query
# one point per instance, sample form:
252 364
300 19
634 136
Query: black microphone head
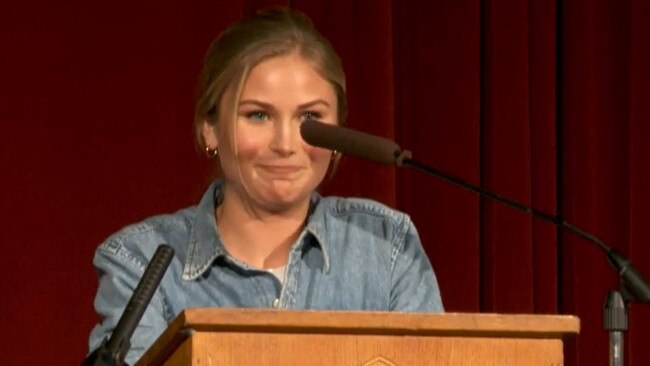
351 142
634 282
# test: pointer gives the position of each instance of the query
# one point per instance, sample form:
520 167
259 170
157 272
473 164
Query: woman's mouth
281 170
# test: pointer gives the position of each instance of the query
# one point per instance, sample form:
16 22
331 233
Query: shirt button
276 303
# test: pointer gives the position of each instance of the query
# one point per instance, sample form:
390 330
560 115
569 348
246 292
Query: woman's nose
286 137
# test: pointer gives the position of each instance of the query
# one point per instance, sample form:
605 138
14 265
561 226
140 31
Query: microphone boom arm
507 201
638 288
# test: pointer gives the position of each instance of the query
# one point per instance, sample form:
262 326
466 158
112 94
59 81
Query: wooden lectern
281 337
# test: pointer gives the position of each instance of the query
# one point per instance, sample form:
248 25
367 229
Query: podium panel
278 337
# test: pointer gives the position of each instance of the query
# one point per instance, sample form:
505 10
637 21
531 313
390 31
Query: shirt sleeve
119 272
414 285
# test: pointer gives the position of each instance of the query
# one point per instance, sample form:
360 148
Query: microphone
385 151
113 351
348 141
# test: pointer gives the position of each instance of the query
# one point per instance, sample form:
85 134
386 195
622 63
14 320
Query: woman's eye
310 116
257 115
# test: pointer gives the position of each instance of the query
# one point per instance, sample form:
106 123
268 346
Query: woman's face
268 164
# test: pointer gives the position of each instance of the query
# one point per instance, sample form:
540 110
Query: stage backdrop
541 101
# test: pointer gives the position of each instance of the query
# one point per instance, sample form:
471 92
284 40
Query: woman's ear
209 134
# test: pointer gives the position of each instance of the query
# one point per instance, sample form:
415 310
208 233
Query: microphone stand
615 322
634 287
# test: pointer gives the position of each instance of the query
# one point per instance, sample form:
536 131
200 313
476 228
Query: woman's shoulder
142 238
361 207
372 226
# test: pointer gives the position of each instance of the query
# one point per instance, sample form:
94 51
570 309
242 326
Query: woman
261 236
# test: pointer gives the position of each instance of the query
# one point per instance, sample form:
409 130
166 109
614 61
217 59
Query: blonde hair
270 33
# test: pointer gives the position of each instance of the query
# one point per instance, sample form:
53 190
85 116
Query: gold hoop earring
334 163
335 155
211 153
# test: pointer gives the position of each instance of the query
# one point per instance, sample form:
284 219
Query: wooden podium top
357 322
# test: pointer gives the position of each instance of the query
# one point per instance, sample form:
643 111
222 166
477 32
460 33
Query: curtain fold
506 238
639 154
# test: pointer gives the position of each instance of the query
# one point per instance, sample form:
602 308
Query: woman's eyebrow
255 102
314 103
259 103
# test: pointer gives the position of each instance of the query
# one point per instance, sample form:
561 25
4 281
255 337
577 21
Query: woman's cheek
320 158
249 144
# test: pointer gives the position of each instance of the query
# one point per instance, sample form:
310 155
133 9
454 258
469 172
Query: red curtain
542 101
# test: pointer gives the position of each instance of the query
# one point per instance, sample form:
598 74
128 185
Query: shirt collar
316 226
205 243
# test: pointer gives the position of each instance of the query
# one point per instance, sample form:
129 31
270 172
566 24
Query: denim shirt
353 254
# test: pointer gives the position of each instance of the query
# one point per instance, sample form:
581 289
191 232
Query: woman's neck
259 237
